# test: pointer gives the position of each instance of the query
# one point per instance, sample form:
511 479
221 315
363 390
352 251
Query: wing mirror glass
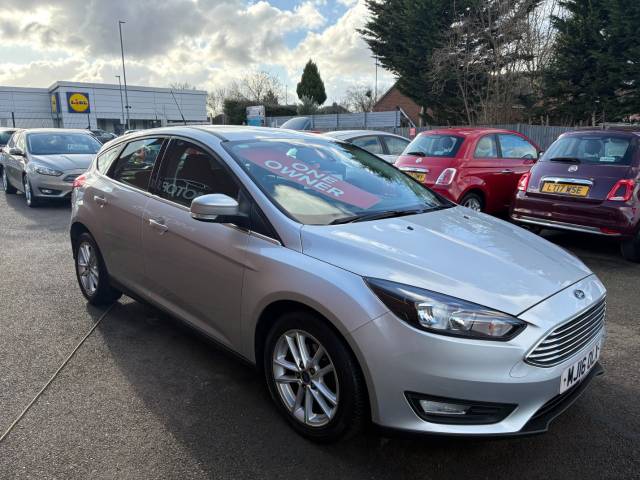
208 208
17 152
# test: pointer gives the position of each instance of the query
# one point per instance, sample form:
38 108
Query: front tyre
631 249
31 199
314 379
92 274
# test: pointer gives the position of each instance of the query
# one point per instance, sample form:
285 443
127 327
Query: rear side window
513 146
486 147
105 159
395 145
5 135
370 144
188 172
605 149
135 163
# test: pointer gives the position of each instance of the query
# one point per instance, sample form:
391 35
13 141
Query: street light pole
124 75
121 101
375 98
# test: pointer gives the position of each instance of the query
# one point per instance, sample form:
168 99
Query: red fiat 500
588 182
475 167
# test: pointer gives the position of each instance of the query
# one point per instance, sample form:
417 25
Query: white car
387 146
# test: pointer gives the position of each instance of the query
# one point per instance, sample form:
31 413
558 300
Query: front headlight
438 313
42 170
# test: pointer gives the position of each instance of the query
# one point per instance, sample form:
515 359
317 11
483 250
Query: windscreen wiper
565 159
386 214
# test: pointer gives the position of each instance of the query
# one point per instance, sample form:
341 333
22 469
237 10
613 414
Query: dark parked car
587 182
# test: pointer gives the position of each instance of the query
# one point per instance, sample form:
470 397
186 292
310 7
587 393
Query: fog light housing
457 412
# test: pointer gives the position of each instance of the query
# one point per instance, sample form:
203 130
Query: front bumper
398 359
47 186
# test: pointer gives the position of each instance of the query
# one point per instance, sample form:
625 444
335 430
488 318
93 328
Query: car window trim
124 144
225 167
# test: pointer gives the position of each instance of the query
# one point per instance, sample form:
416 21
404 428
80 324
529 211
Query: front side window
136 162
188 172
322 182
370 144
395 145
62 144
513 146
434 145
5 135
605 149
486 147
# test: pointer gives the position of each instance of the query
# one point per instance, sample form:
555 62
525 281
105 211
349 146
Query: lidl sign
54 103
78 102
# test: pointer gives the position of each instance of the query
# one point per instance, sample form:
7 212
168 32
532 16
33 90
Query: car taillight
446 177
523 183
79 181
622 190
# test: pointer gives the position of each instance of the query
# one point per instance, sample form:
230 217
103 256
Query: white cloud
208 43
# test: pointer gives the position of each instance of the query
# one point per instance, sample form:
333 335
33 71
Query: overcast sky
207 43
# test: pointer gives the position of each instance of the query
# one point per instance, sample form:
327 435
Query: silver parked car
43 163
358 293
387 146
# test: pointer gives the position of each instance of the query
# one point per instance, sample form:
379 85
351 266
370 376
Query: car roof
344 134
468 131
55 130
598 131
231 132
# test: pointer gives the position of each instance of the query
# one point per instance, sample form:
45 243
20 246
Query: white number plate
576 372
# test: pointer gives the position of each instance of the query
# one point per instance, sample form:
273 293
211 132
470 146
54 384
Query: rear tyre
6 185
92 274
631 249
31 199
473 201
313 378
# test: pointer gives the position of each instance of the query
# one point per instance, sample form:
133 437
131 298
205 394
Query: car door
194 268
517 155
116 202
15 163
487 166
8 160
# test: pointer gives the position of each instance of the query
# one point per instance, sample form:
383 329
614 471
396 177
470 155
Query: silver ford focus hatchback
359 294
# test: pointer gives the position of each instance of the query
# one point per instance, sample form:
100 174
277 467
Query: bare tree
181 86
215 101
360 98
258 86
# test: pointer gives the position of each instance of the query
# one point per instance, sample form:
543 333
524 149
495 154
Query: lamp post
121 101
124 74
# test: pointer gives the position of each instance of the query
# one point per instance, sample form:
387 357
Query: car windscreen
604 149
323 182
62 143
298 123
434 145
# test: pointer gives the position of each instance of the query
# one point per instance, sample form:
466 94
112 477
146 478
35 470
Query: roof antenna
179 109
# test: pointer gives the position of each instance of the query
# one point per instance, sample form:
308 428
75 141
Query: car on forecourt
478 168
588 181
358 293
387 146
43 163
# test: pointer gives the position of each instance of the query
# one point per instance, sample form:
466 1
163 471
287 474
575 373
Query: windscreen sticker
326 183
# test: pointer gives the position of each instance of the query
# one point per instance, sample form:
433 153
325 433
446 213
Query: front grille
71 178
569 338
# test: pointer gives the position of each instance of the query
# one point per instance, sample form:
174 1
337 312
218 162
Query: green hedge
236 111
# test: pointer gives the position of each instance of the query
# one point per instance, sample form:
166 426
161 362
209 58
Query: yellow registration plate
418 176
566 189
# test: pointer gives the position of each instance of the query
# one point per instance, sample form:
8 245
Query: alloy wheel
472 203
305 378
88 268
27 191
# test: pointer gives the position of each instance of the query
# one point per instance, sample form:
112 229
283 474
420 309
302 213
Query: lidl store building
96 105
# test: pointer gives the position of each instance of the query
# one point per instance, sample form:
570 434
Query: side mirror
540 153
17 152
208 208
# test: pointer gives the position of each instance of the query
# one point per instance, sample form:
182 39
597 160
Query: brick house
393 98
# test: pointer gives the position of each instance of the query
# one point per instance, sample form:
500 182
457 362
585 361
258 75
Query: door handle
100 200
157 224
506 171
